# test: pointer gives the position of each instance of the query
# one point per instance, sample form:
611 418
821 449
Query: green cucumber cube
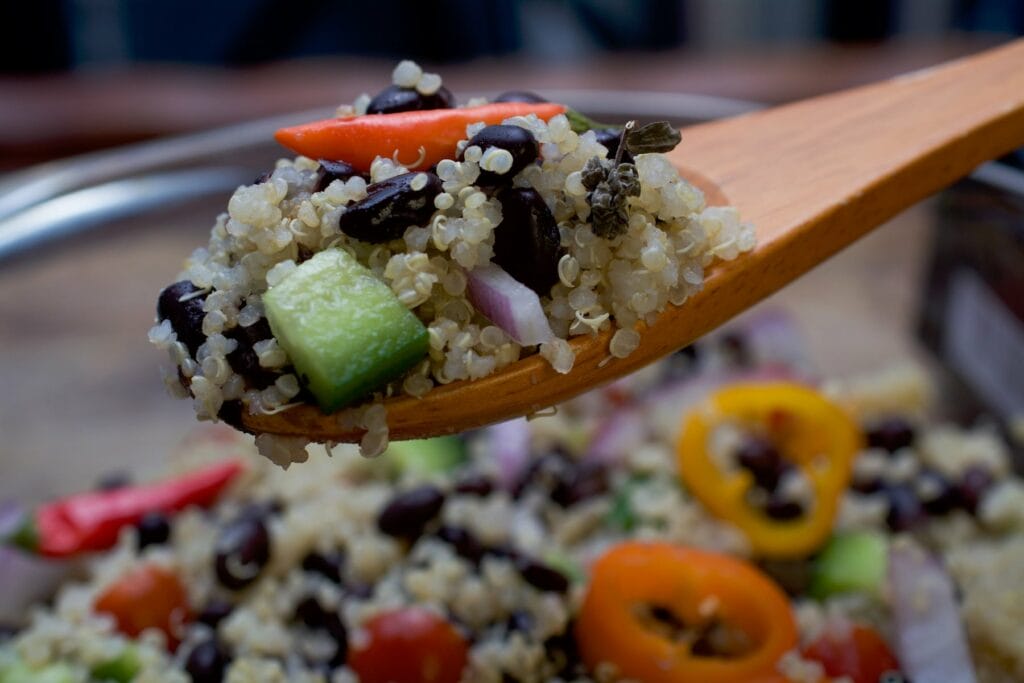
345 331
425 457
852 562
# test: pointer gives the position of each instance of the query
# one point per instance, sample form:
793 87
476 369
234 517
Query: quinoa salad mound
576 547
533 226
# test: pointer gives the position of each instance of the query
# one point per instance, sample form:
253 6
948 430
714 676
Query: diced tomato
857 652
410 645
146 597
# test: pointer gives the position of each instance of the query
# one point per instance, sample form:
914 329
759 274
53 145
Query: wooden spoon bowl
812 177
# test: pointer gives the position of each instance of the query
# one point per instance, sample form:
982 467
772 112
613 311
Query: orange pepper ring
682 579
819 438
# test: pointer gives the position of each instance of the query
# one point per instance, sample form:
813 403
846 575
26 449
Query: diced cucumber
427 456
120 669
19 672
853 561
345 331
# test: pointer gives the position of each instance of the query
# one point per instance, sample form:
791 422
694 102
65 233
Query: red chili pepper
92 521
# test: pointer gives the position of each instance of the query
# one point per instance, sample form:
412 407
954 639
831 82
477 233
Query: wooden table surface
82 393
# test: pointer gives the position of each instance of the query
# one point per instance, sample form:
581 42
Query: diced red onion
26 580
620 433
509 444
930 641
775 339
509 304
12 517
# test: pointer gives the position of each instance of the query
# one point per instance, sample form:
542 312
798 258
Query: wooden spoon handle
856 158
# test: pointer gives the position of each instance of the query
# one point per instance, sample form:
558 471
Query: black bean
241 552
543 473
737 349
395 98
760 457
974 483
474 485
936 492
335 628
905 510
541 576
690 352
330 171
463 542
527 243
517 141
207 662
890 434
215 612
680 364
111 481
186 316
8 631
520 621
154 528
586 480
610 137
564 652
230 413
519 96
390 207
244 360
504 551
310 613
782 509
329 565
408 513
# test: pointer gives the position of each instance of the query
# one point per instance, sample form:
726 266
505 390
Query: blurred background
90 240
82 74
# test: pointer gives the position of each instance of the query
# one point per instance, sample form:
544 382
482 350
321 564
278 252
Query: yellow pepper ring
813 433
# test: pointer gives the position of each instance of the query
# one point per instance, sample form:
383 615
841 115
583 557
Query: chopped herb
658 137
621 515
581 123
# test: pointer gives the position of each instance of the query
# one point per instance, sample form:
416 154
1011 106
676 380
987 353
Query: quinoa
273 225
331 506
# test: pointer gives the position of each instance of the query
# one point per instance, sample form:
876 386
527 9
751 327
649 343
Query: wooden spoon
811 176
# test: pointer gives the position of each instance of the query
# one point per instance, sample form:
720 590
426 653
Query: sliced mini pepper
692 590
810 431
